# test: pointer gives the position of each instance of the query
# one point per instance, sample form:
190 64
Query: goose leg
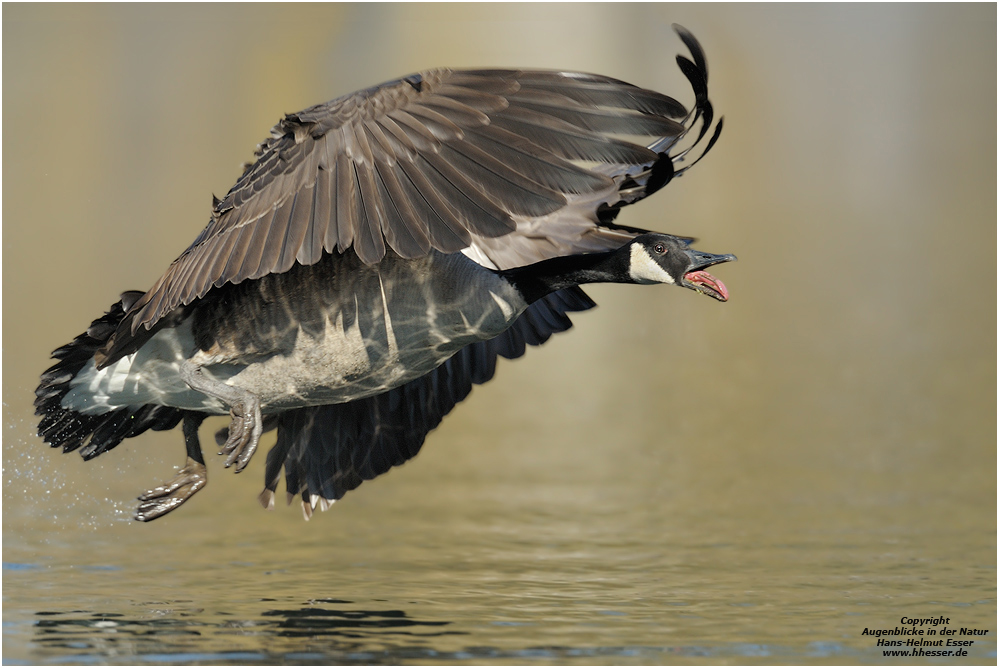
244 408
270 424
169 496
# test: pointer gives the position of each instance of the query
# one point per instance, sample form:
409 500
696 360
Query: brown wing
428 161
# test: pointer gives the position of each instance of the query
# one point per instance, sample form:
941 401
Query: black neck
534 281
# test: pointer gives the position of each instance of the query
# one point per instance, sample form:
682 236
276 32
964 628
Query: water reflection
317 621
323 630
329 635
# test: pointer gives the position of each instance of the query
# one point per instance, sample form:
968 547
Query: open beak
702 281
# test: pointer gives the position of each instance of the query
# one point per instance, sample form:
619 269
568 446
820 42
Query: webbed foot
244 432
171 495
244 408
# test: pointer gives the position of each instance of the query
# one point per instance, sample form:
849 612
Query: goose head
651 257
664 258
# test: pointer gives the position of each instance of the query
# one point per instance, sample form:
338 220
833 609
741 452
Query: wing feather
277 226
371 215
567 140
405 231
182 286
462 114
299 221
254 252
347 203
419 135
382 147
402 146
221 253
593 119
429 161
478 213
498 179
237 256
446 230
311 250
543 166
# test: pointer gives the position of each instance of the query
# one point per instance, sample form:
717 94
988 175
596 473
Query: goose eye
660 248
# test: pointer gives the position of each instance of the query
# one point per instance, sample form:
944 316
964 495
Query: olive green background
674 480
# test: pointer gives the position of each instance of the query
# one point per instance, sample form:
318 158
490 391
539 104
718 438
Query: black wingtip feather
696 78
711 142
695 49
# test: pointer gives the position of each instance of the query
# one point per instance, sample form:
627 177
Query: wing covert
428 161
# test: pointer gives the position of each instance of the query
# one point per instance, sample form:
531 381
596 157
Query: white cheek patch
644 269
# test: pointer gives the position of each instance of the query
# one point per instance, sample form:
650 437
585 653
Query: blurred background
675 479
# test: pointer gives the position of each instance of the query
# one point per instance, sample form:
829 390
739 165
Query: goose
371 265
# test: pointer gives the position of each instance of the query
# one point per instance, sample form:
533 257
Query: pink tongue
710 282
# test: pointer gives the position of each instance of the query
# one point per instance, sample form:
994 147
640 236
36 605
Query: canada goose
370 266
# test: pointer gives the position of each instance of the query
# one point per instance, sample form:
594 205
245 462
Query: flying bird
371 265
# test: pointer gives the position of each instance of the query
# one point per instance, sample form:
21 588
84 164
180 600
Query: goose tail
92 434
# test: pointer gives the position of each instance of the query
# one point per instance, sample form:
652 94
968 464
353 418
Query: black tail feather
70 430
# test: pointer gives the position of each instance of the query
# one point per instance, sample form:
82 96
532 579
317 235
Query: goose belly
345 362
149 376
330 333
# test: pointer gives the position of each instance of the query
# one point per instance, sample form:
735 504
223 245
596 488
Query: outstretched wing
428 161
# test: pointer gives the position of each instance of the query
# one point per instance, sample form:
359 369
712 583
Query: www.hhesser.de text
926 627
